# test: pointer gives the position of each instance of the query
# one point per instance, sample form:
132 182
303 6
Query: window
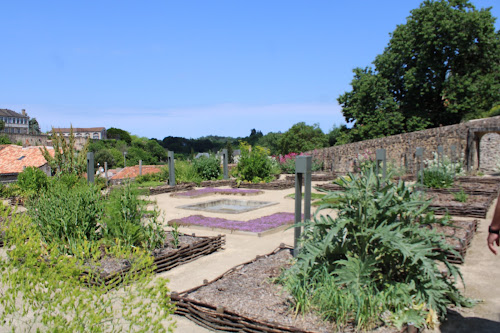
95 136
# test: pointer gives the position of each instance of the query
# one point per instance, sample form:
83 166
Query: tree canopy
441 67
301 137
118 134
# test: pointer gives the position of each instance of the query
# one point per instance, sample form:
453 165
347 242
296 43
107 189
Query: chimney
23 112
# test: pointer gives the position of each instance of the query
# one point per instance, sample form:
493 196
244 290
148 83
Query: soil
250 292
443 199
109 265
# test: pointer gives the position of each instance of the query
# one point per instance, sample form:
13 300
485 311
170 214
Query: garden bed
210 191
190 248
244 300
316 177
169 189
274 185
479 180
459 235
468 188
329 187
476 205
258 227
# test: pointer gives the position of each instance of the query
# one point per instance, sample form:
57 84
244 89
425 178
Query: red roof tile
14 158
133 171
79 129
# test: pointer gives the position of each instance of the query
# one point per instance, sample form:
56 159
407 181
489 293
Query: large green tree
301 137
441 67
119 134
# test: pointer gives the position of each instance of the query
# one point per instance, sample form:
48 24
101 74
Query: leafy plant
460 196
186 173
175 235
32 180
435 178
207 167
125 221
44 289
375 258
254 164
67 216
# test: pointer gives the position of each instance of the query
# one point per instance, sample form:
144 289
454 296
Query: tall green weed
186 173
43 289
128 221
67 216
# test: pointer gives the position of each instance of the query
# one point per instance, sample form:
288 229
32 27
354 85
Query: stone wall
40 140
401 148
490 153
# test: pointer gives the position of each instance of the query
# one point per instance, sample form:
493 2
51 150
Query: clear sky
190 68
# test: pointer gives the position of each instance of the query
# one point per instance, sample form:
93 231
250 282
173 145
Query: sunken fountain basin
228 206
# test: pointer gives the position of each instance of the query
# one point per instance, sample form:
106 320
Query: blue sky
190 68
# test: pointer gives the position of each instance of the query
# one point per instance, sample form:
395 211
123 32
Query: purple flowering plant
256 225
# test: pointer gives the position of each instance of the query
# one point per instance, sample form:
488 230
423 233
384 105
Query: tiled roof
14 158
133 171
79 129
10 113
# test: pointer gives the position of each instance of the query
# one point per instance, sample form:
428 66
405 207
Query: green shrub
441 173
44 290
10 190
67 216
375 261
186 173
4 140
437 178
207 167
125 221
32 180
254 164
69 180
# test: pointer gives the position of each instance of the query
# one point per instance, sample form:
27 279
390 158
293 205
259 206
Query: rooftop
133 171
10 113
79 129
14 158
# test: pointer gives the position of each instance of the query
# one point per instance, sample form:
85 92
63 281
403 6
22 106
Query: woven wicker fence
274 185
181 256
459 235
217 318
478 210
168 189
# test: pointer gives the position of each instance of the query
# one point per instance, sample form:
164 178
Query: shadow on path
456 323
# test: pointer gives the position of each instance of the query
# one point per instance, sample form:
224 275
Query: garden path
481 270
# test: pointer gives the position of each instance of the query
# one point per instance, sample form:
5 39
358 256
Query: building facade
96 133
15 123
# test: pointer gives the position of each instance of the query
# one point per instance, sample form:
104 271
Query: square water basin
227 206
